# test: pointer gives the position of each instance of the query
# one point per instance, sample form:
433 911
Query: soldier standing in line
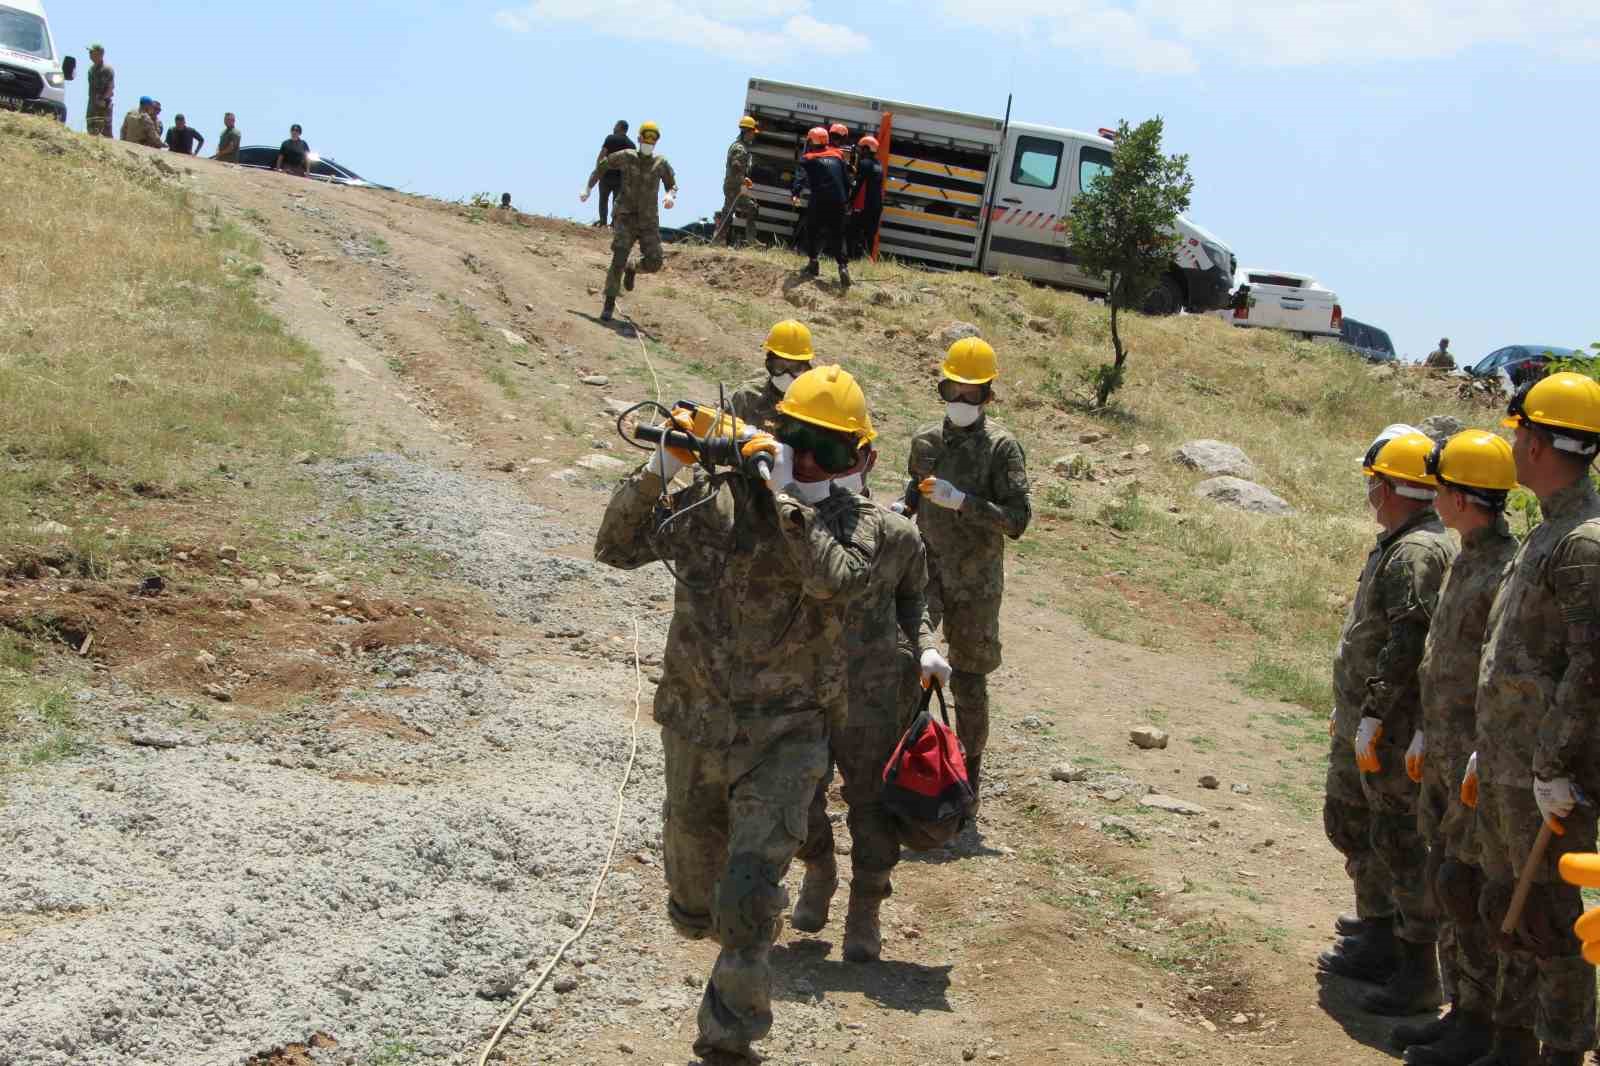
228 142
969 492
1475 472
102 87
788 354
1371 814
1536 759
735 170
753 677
635 219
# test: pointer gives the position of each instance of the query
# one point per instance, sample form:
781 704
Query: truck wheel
1165 299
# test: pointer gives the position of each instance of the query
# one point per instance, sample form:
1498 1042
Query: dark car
261 157
1521 362
1369 342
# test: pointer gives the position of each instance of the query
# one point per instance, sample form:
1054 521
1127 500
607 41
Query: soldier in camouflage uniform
139 125
634 219
228 142
969 492
734 184
102 87
747 212
889 642
788 354
1536 755
1376 710
1475 471
753 677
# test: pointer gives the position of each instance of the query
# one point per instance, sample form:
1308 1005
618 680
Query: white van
33 74
977 192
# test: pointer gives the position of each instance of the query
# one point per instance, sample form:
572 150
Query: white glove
583 197
942 493
664 464
1556 797
1367 734
898 507
668 202
1414 754
935 666
782 469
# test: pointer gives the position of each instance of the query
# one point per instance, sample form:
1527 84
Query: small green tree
1124 227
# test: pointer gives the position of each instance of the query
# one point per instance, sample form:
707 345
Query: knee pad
748 903
1346 826
686 924
1458 887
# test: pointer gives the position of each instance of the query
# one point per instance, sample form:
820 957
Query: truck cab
33 74
1042 171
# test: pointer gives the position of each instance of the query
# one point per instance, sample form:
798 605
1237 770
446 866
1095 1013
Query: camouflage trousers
731 824
1347 820
625 231
743 207
861 750
1397 846
972 630
97 124
1467 964
1544 980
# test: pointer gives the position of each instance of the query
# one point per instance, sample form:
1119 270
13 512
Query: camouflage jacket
1449 671
140 128
228 145
763 586
892 611
756 402
1375 664
636 200
967 547
102 87
1538 683
738 167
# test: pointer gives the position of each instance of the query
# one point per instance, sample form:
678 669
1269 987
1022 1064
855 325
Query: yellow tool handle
1519 898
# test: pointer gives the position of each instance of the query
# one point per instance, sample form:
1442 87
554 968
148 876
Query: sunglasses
829 450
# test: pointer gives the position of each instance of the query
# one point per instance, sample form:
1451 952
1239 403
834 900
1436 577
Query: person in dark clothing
184 138
866 201
611 183
823 176
294 155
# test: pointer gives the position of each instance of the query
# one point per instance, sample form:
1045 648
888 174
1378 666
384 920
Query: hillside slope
335 768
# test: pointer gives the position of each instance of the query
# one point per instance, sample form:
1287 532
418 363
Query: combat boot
1469 1038
628 273
810 914
609 310
1411 1034
844 276
1414 986
1511 1047
813 269
863 938
1371 956
1349 925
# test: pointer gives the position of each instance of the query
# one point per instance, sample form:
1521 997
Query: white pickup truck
1278 299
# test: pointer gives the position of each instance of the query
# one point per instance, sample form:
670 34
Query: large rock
1148 737
1215 457
1442 427
1245 495
953 332
1170 804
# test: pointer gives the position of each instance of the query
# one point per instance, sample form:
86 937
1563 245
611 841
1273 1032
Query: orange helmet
870 143
839 129
817 135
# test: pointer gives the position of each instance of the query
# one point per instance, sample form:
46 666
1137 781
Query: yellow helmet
790 340
649 127
1474 459
1404 458
970 361
1561 401
829 397
748 123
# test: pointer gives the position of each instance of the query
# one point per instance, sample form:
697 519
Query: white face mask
781 382
963 414
856 483
812 492
647 148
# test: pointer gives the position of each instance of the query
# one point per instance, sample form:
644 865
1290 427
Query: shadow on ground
1340 1000
805 972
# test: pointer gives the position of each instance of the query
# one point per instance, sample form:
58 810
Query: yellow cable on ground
605 870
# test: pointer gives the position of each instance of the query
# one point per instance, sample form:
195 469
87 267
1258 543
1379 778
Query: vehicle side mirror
69 67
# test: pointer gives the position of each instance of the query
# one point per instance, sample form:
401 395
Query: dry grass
135 363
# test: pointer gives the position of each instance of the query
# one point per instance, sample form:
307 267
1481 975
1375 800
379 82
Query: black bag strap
934 688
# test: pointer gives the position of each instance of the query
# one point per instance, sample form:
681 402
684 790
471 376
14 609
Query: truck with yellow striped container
971 192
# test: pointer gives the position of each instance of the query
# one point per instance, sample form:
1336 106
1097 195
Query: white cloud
1179 36
735 28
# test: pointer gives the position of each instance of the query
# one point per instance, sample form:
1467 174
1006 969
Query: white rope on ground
605 870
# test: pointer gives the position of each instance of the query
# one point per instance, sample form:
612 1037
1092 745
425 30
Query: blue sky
1433 161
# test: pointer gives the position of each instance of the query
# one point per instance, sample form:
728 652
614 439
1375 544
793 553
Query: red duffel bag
925 783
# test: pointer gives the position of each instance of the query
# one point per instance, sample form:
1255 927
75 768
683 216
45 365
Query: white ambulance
33 73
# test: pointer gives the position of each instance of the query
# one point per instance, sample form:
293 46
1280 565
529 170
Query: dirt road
468 791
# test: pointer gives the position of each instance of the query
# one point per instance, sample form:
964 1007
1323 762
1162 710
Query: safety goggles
649 138
958 392
777 365
831 451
